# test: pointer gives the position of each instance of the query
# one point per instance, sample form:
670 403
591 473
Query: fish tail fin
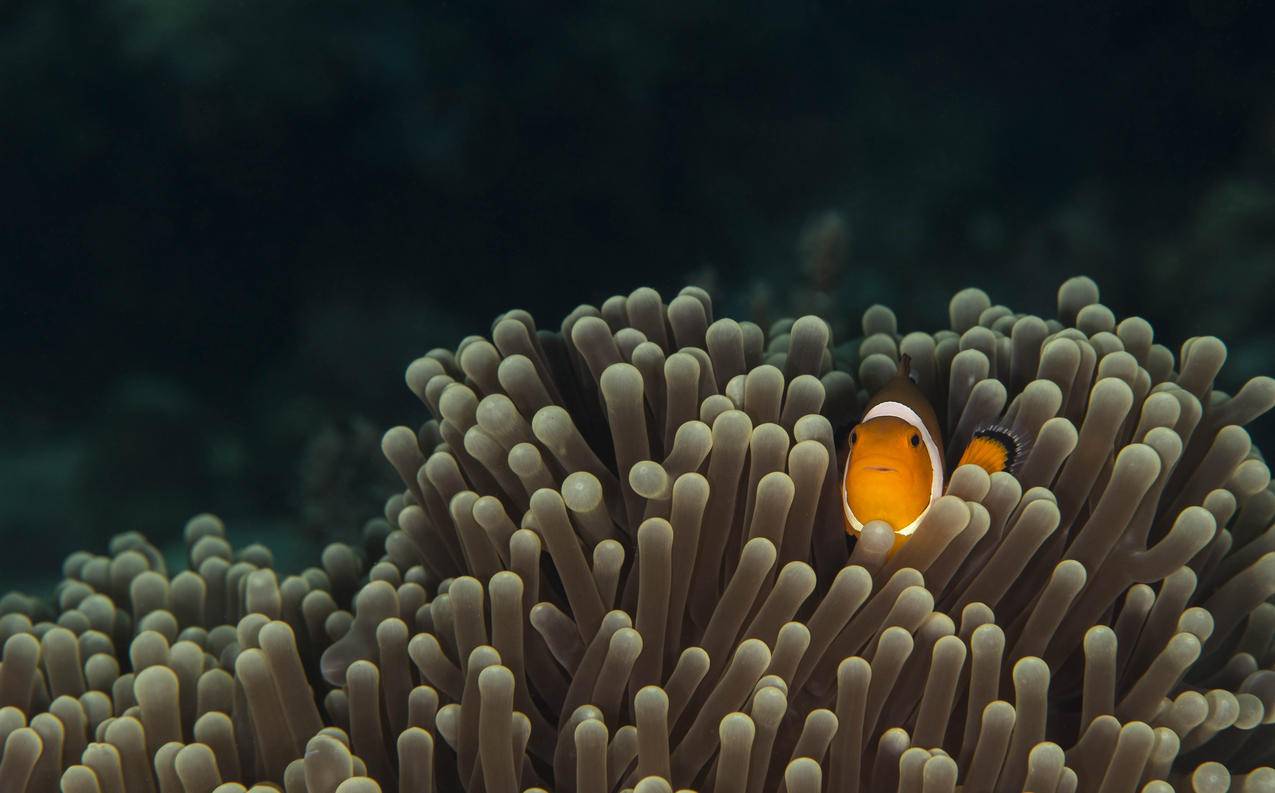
996 448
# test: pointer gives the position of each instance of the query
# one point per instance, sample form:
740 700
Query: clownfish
894 470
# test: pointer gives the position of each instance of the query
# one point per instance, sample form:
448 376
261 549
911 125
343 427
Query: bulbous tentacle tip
618 561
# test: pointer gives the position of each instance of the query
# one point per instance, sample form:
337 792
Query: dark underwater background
226 227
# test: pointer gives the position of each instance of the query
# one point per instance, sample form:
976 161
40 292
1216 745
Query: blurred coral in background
253 212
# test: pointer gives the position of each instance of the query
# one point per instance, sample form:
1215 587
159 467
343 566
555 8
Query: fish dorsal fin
905 366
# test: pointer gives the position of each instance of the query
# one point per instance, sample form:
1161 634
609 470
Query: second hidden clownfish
894 471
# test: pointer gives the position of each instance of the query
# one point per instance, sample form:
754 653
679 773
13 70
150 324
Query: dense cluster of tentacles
619 562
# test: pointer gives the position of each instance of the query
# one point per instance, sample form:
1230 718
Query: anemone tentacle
618 563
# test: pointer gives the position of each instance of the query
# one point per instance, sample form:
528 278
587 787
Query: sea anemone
619 563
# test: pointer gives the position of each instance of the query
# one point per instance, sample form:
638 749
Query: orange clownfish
894 471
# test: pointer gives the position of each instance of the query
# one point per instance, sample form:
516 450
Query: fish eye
916 439
854 436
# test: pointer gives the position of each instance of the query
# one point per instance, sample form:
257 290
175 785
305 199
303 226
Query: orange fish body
894 471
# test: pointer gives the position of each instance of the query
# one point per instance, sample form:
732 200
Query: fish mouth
881 468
